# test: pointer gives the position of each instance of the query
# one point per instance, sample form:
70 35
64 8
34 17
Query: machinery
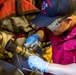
25 52
19 24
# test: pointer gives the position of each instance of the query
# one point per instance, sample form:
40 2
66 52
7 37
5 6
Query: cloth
27 7
64 48
8 69
30 1
52 9
21 64
2 1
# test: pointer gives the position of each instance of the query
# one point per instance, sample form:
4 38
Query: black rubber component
11 46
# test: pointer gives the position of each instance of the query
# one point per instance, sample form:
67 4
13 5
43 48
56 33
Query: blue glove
38 63
32 40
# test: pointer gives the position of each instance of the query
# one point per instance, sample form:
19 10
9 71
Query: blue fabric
22 64
41 20
52 9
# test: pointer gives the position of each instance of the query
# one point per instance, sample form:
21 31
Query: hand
32 40
37 62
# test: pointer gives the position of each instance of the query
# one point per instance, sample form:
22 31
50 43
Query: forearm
57 69
41 34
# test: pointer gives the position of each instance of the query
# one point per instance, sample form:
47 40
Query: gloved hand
37 62
32 40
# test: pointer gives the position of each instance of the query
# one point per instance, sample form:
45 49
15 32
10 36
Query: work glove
38 63
32 40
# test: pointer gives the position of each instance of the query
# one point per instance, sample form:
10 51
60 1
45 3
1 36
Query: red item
30 1
9 7
63 46
2 1
19 35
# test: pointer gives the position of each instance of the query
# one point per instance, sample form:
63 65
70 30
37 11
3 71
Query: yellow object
48 54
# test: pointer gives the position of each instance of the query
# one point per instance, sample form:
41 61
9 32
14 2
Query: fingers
29 41
34 43
28 44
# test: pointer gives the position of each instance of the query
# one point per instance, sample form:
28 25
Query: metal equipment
25 52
